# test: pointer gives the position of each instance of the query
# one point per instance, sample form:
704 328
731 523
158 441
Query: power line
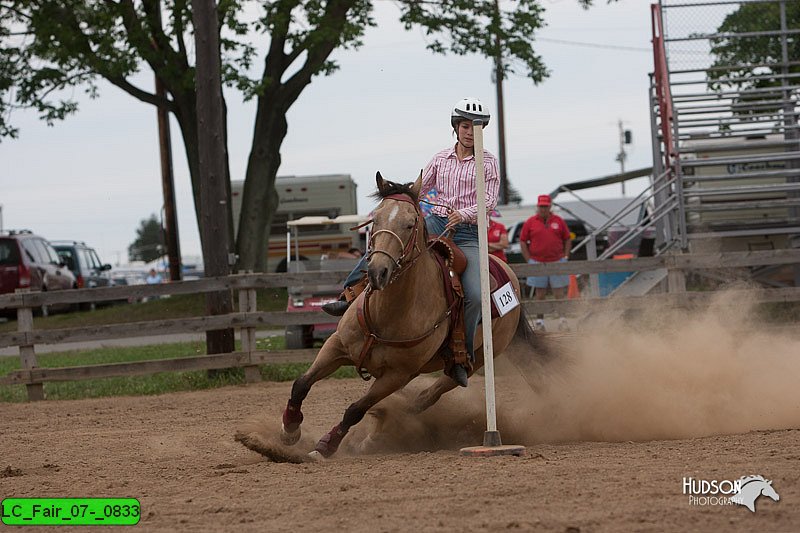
595 45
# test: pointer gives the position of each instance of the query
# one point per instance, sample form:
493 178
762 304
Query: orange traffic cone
572 291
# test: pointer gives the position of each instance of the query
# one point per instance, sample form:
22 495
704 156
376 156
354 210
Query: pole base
493 447
492 438
493 451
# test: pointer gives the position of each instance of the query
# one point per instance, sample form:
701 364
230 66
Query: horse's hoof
316 456
330 442
289 439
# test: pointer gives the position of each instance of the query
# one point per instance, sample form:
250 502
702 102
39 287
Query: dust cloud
659 374
262 435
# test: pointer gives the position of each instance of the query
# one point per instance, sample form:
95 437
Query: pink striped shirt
455 182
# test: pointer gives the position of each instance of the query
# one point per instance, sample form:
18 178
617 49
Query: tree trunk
187 120
259 197
214 212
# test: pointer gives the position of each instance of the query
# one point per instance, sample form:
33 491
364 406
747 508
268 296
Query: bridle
406 248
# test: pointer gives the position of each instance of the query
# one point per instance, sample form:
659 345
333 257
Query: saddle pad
499 277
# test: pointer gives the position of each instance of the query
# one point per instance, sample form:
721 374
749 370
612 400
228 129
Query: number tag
505 299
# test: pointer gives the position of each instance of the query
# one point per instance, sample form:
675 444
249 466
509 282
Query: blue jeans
466 237
356 275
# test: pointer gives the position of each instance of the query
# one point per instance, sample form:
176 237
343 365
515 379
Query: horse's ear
379 181
417 185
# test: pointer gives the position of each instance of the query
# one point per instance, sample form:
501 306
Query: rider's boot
459 375
339 307
458 372
457 349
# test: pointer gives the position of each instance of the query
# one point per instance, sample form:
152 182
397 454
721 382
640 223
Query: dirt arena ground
611 432
177 455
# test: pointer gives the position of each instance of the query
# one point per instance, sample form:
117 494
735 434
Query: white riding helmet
469 109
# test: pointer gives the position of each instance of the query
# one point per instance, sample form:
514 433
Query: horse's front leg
383 386
331 356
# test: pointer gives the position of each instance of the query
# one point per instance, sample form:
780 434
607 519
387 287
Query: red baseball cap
544 200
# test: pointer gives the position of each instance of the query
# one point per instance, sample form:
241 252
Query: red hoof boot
290 426
330 442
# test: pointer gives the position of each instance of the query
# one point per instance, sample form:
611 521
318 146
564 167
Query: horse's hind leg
432 394
383 387
331 356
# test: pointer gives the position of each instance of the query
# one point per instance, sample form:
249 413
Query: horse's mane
747 479
391 188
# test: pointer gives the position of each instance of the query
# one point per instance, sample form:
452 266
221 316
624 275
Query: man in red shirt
545 238
498 238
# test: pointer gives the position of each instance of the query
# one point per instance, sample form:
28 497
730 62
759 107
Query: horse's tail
531 353
526 336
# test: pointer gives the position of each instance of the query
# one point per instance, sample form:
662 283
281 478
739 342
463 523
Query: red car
311 298
27 261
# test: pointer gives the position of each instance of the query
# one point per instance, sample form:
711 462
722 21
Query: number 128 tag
505 299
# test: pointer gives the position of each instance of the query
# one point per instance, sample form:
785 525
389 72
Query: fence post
676 278
594 280
27 355
247 304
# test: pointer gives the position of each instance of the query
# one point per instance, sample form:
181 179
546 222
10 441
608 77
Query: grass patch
177 306
780 312
145 385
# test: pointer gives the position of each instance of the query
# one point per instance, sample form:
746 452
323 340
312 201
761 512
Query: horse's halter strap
407 247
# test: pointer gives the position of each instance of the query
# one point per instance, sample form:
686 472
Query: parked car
84 263
28 261
313 297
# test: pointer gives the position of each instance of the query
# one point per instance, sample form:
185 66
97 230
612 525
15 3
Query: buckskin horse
408 320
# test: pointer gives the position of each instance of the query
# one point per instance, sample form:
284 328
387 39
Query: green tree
47 47
149 243
737 60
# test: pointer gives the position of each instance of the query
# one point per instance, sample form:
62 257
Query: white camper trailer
327 196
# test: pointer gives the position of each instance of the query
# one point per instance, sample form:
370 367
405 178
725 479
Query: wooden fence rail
247 319
143 368
681 262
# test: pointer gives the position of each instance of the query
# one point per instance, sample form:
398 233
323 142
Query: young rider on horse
452 173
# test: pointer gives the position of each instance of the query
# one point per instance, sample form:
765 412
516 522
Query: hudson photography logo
743 491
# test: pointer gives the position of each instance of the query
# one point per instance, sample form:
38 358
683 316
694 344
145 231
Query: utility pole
501 121
624 138
214 230
168 186
170 218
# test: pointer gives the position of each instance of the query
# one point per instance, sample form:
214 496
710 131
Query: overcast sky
94 176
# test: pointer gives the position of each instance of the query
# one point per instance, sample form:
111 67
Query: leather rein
362 309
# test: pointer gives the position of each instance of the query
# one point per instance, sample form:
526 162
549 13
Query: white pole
288 249
492 437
